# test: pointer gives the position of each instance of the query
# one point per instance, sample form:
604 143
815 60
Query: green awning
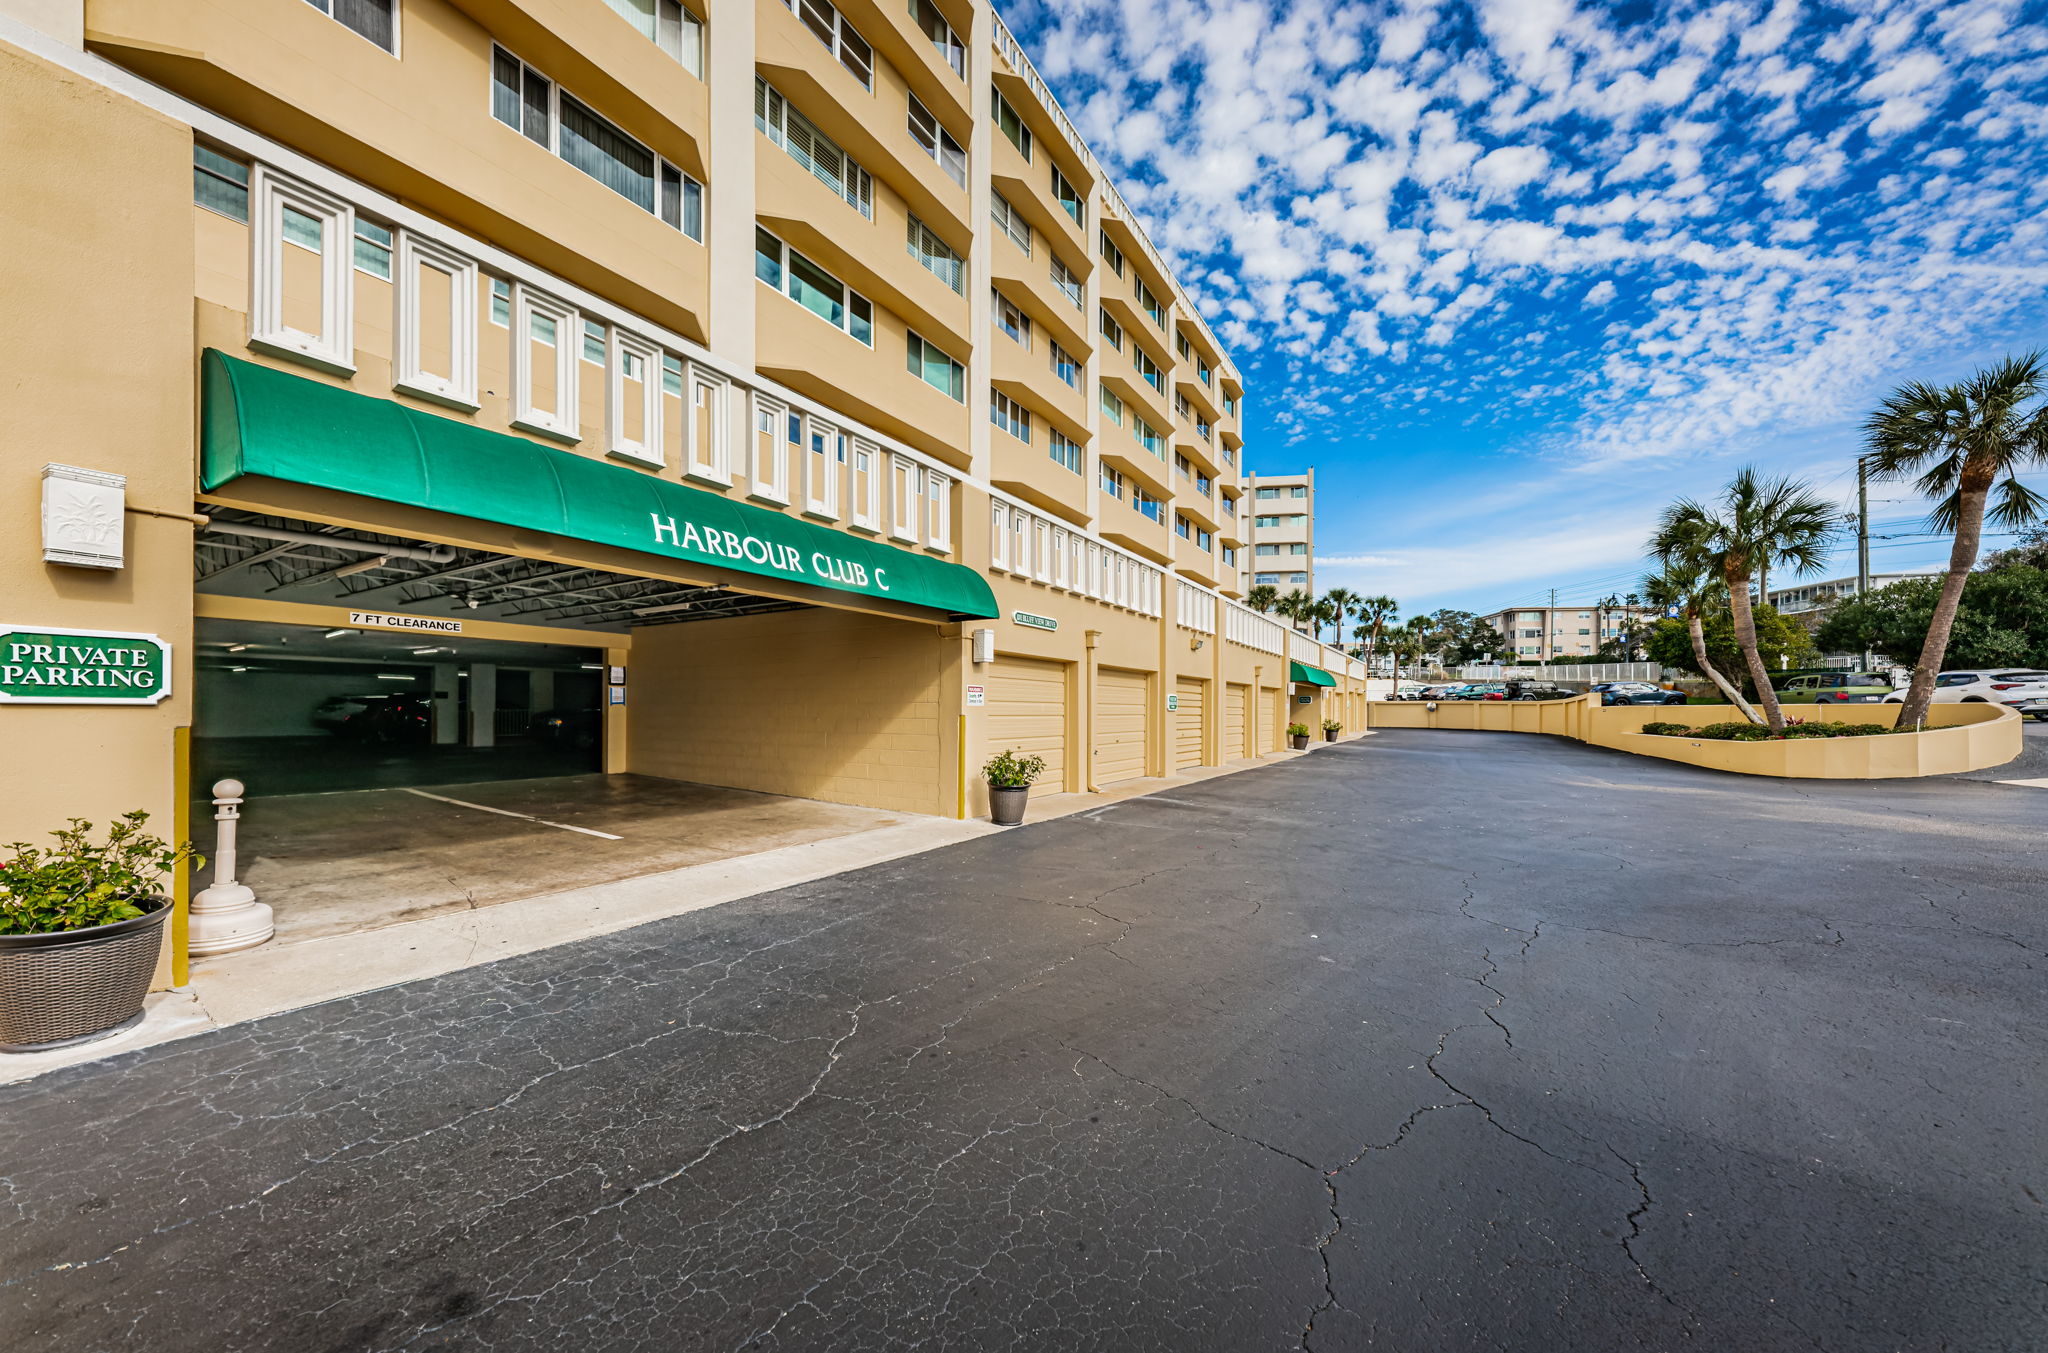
262 421
1309 676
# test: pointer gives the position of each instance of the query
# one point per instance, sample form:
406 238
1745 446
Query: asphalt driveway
1433 1041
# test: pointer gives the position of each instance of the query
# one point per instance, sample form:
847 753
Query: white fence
1243 625
1194 606
1576 673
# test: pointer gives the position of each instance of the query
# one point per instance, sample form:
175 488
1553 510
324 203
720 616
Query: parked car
1539 690
1835 688
2023 688
1480 690
333 713
392 718
1637 693
1447 690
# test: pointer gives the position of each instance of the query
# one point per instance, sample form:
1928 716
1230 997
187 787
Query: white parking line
507 812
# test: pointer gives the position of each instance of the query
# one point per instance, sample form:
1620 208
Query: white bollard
227 916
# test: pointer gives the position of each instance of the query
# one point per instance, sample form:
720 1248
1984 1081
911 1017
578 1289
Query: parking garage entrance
296 709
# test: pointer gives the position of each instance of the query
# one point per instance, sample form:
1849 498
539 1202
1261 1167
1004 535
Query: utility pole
1863 540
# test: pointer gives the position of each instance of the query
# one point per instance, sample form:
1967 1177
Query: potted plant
1297 736
1009 779
1331 728
80 929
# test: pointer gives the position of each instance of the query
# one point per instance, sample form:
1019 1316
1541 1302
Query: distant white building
1812 596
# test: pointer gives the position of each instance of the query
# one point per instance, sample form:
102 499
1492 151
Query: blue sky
1512 274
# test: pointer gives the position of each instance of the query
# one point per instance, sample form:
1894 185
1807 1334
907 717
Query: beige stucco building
1545 632
1282 532
762 397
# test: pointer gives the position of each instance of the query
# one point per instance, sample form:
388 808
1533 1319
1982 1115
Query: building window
544 371
1009 318
1066 280
936 369
1264 551
708 460
1065 452
1148 437
635 377
1183 347
436 342
906 498
1009 123
939 260
1149 507
376 20
938 500
864 486
1067 195
824 457
1148 369
1112 407
302 294
1230 406
811 287
1202 370
1064 366
594 347
1010 222
1112 482
669 26
501 302
933 25
1182 527
1111 255
1229 557
767 456
1154 309
531 104
373 249
830 27
812 149
1112 332
937 142
1009 415
220 184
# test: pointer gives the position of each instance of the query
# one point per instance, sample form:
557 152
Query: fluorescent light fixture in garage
336 634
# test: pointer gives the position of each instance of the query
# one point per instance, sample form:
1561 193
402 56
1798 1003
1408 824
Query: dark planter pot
77 985
1330 734
1298 741
1006 805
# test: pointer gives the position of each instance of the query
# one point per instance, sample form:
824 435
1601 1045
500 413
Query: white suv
2024 688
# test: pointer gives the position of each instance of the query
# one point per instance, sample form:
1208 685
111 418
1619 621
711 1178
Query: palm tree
1262 598
1962 440
1376 613
1341 601
1692 590
1757 524
1297 606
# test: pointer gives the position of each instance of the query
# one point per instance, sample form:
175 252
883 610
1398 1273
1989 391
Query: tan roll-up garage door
1269 710
1027 713
1120 710
1236 699
1187 732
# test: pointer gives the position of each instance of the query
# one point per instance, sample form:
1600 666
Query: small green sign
1037 622
82 667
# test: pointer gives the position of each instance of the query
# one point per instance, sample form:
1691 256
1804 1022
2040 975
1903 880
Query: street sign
82 667
1037 622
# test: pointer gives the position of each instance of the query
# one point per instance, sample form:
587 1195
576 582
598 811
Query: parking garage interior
393 773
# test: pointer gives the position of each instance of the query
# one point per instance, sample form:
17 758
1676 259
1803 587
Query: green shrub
1756 732
1007 770
1297 730
84 883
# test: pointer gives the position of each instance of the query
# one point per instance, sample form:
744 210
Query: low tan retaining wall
1957 737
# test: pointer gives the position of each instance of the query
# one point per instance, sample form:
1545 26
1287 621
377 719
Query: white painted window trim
333 349
412 254
773 485
999 534
938 496
906 499
707 464
648 451
864 508
821 485
527 303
